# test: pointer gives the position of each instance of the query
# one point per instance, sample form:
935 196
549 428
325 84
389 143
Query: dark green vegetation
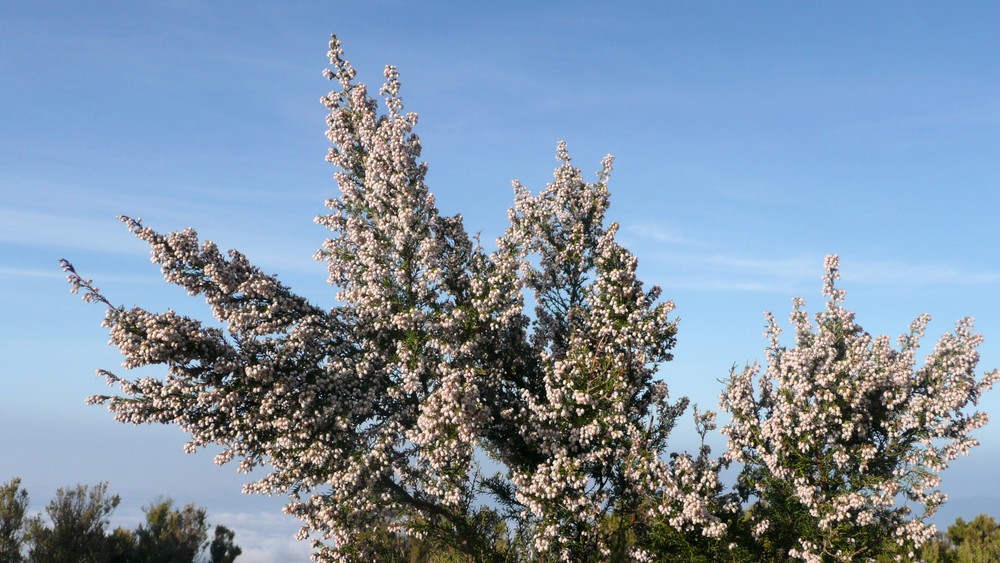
977 541
76 530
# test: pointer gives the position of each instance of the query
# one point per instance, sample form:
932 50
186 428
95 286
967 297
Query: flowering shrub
842 437
368 415
375 417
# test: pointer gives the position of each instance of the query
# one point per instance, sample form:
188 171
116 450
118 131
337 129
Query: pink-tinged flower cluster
847 434
592 413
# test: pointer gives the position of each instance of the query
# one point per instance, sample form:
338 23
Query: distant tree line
977 541
76 529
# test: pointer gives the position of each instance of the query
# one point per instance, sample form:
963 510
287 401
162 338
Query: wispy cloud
722 272
719 284
726 272
687 263
929 121
28 273
56 273
658 233
781 267
901 273
693 264
680 261
27 227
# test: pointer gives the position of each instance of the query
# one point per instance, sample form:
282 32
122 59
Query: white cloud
726 271
723 285
751 274
33 228
900 273
56 273
720 272
265 537
656 232
29 273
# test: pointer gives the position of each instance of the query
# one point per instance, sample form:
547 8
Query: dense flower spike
843 436
594 414
403 273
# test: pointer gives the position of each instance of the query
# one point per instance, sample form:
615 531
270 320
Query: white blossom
844 435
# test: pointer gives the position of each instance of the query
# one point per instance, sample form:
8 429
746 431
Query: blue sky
750 141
